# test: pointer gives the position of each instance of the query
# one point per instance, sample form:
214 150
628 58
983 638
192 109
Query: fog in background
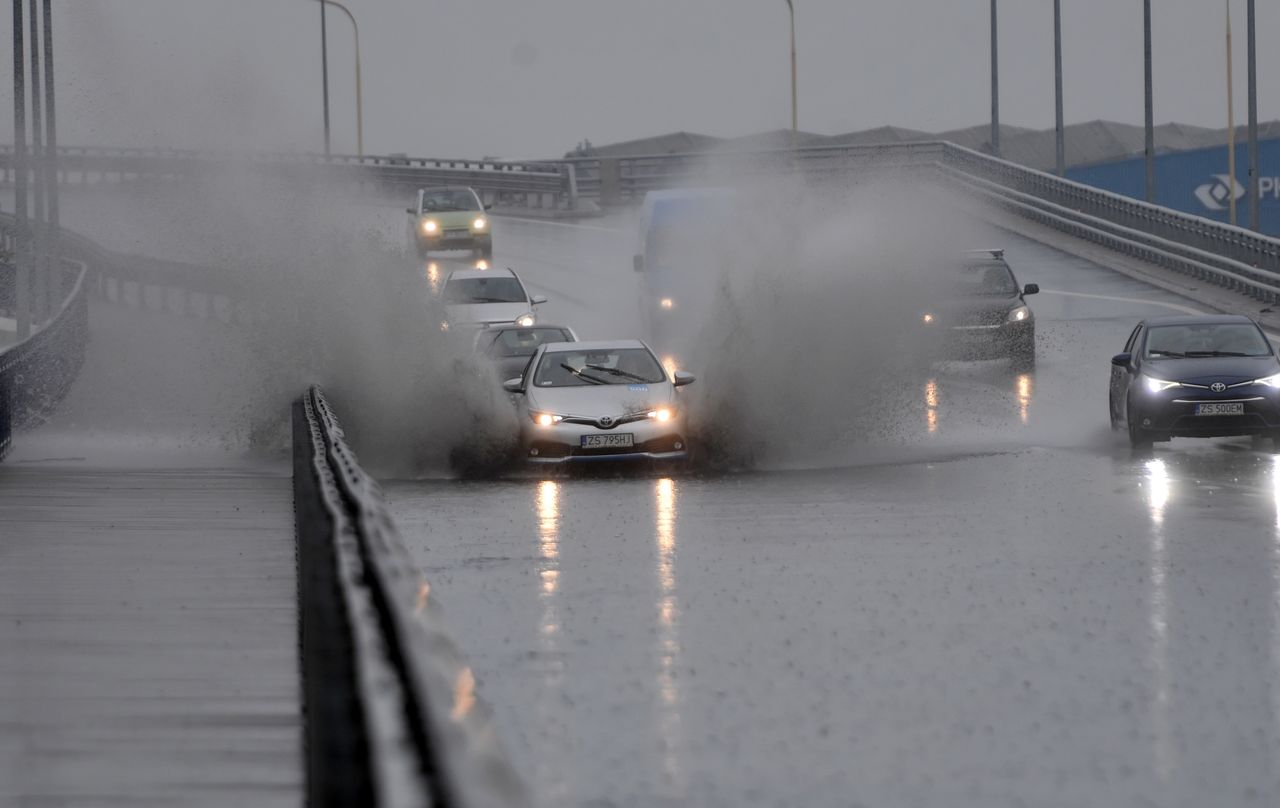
514 78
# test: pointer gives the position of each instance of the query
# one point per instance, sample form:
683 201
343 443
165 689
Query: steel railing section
392 713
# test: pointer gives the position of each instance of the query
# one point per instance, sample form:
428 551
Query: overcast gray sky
530 78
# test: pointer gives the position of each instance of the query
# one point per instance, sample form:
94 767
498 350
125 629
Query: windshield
612 366
986 278
484 290
525 341
1206 339
449 199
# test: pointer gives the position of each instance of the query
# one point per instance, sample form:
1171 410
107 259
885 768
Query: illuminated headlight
1269 381
429 226
667 303
482 264
1020 314
662 414
480 223
545 418
1158 385
444 325
927 319
525 320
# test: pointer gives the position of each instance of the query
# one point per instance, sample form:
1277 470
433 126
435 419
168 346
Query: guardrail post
610 181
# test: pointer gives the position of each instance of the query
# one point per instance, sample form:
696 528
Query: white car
488 296
585 401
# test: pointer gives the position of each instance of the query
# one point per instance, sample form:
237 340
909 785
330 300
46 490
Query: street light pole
1060 149
20 259
39 260
324 75
1231 126
359 84
1254 221
995 84
52 221
795 120
1150 146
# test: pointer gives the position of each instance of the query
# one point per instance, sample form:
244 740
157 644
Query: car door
1122 376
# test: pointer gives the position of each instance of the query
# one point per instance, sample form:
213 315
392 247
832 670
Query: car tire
1139 438
1113 414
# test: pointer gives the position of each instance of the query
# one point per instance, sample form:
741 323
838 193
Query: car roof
595 345
463 274
1198 319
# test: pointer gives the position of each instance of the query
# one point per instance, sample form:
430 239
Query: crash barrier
536 184
392 716
36 373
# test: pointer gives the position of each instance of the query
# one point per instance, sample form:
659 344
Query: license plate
456 234
1221 408
611 441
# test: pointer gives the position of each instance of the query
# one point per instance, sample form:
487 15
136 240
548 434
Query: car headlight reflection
429 226
662 414
1019 314
1269 381
525 320
480 223
546 418
1155 385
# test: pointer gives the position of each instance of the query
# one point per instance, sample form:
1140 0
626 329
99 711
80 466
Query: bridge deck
147 636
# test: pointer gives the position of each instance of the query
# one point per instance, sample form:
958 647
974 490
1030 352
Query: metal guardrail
36 374
392 717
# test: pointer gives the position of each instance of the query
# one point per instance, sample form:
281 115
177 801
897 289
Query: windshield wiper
1217 353
1177 354
489 300
582 375
617 372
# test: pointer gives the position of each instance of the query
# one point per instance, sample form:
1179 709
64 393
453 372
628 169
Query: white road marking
1174 306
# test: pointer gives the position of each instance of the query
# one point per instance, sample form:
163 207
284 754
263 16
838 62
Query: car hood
1210 369
975 310
486 312
598 400
452 218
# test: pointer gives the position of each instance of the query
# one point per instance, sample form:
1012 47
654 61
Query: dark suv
985 315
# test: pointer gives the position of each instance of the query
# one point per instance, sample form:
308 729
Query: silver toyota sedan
593 401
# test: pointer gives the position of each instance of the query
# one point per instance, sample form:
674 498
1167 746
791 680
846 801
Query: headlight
667 303
1019 314
525 320
927 319
429 226
545 418
1269 381
482 264
1158 385
444 325
480 223
662 414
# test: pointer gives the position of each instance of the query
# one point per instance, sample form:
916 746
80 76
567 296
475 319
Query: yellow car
450 218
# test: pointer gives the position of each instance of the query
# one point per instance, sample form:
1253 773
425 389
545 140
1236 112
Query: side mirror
1031 289
637 263
513 385
682 377
1122 360
411 211
488 207
538 300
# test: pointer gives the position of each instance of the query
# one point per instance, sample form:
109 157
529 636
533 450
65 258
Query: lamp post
359 85
794 116
1254 201
1059 136
1231 127
21 242
1150 140
995 85
324 75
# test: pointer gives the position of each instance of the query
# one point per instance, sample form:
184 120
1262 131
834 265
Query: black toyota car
984 313
1195 376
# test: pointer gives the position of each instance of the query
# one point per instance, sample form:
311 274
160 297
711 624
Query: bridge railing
36 373
392 715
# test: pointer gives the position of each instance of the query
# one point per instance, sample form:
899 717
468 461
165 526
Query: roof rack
997 252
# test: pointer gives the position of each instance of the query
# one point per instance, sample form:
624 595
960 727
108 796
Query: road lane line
1174 306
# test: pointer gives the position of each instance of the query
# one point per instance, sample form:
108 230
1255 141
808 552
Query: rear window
525 341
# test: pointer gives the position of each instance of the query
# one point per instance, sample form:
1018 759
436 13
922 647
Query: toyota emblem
606 421
1217 387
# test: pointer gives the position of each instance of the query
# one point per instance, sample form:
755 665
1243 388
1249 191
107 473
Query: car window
484 290
611 366
985 278
1206 339
525 341
439 201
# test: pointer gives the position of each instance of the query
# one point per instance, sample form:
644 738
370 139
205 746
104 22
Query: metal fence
392 716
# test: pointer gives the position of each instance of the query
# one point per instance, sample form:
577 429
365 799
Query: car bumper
1174 415
441 242
562 443
986 342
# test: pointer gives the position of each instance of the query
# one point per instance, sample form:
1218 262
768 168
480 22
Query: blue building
1198 181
